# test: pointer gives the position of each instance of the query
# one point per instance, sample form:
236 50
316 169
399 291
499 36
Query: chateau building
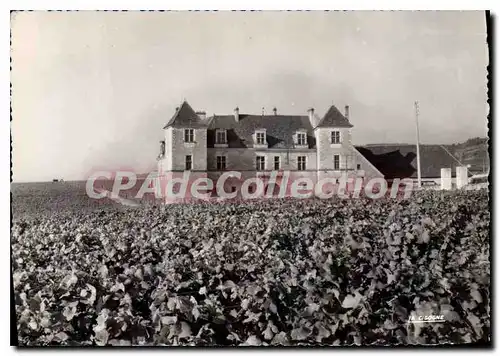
257 144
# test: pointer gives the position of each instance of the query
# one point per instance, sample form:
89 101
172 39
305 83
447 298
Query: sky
93 90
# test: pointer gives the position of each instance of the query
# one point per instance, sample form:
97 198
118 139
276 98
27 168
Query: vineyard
277 272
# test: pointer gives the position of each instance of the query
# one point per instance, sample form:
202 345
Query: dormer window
220 136
301 139
260 138
335 137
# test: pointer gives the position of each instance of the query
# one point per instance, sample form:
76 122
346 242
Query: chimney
275 111
347 112
201 114
311 114
237 114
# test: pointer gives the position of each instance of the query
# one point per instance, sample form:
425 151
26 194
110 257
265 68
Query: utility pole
418 146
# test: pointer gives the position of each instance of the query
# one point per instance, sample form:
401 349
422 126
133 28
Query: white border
251 5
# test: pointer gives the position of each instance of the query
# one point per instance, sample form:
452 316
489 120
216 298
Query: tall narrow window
221 163
276 163
335 138
188 135
260 163
261 138
336 162
301 163
301 139
189 162
358 166
220 137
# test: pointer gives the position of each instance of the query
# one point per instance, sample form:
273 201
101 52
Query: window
188 135
276 163
335 137
301 160
260 163
336 162
220 137
221 163
250 189
261 138
189 162
301 139
358 166
233 189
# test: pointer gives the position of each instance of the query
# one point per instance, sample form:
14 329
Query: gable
185 116
334 118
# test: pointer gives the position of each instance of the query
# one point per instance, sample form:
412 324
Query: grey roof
432 158
186 117
334 118
279 129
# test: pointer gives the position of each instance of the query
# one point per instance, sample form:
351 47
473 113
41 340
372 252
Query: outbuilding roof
397 160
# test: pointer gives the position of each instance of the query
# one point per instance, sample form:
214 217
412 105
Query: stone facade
188 134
